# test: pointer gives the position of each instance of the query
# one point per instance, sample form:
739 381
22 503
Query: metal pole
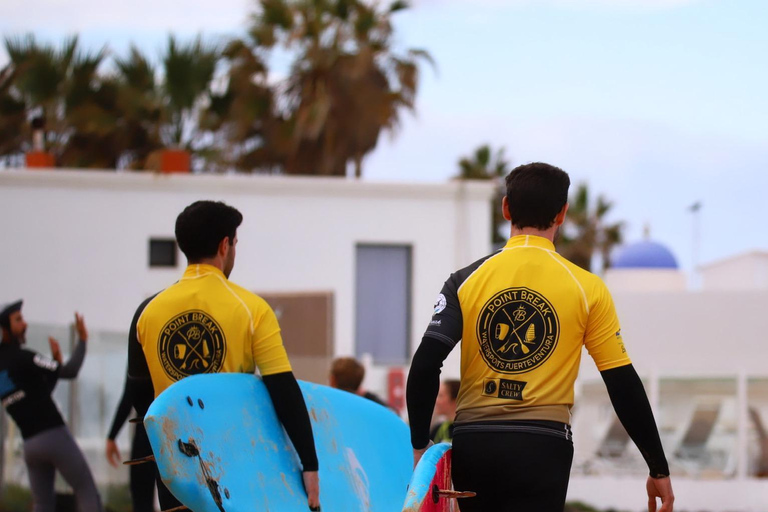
695 208
742 393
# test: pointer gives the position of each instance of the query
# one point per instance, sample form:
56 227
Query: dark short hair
202 226
453 386
348 372
536 193
6 311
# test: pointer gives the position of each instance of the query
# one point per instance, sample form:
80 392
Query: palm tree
484 164
188 72
241 118
91 116
140 104
62 93
586 232
346 84
36 77
13 120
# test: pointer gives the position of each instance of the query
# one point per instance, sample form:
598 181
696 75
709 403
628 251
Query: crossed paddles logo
191 343
517 330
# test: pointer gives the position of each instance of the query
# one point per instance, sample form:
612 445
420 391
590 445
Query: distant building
351 267
746 271
703 356
645 266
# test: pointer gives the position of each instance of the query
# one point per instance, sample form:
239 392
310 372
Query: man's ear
505 209
560 217
224 246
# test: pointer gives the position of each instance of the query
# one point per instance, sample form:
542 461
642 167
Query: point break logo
517 330
191 343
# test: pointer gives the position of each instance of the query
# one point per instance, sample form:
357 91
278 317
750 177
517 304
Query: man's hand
418 453
660 488
113 453
82 331
55 349
312 486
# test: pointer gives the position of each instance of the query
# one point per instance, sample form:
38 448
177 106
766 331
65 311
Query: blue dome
645 254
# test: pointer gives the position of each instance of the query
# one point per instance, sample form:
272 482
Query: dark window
383 302
162 252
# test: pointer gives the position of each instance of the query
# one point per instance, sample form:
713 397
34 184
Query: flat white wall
693 334
79 239
748 271
709 335
628 493
645 279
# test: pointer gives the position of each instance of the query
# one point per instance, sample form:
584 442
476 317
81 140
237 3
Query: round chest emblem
518 330
191 343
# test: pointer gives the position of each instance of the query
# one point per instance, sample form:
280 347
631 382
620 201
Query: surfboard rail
431 475
219 447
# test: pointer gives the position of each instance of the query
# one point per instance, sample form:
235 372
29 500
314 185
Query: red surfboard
431 489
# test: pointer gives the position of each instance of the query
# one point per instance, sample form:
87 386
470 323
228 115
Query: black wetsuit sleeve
447 321
140 389
292 412
122 412
443 333
634 411
423 386
71 368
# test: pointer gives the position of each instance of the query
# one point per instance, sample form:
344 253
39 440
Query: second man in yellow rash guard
204 323
522 316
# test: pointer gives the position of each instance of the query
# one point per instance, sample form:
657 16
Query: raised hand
82 331
55 349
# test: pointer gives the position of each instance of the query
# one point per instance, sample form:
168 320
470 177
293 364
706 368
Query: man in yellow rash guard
523 315
205 323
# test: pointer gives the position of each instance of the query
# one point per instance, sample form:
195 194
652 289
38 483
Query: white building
703 356
351 267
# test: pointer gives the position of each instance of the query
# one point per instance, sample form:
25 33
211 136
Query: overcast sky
655 103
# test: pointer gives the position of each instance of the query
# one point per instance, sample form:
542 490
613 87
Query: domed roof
645 254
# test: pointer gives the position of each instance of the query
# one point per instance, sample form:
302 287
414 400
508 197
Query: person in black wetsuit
247 334
142 476
523 316
27 380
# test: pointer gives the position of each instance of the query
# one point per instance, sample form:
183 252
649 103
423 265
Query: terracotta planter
40 159
174 160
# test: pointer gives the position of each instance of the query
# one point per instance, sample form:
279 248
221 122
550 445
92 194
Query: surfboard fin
141 460
450 494
444 493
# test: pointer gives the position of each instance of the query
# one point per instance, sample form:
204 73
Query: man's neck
549 234
214 262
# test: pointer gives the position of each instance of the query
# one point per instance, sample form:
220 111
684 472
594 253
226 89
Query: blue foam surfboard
432 473
220 447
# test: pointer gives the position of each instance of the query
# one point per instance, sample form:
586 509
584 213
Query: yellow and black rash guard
523 315
205 323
